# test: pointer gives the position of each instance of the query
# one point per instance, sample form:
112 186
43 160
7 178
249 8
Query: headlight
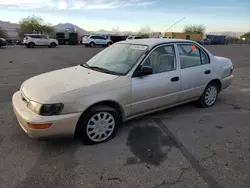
34 106
51 109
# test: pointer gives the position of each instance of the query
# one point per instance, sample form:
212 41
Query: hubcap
100 126
211 95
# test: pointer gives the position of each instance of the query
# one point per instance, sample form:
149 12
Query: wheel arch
109 103
217 82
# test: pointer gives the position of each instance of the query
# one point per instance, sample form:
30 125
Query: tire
31 45
108 44
205 101
52 45
92 44
95 134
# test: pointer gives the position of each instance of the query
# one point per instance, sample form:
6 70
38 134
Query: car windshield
117 59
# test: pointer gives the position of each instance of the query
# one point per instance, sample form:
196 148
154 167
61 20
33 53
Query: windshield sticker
193 48
138 47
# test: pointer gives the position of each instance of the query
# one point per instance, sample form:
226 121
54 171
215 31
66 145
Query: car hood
43 87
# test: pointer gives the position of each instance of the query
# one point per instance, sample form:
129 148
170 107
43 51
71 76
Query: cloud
215 7
74 4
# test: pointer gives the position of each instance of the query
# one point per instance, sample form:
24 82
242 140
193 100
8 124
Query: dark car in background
2 42
205 41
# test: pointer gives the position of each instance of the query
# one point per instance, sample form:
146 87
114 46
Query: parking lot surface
181 147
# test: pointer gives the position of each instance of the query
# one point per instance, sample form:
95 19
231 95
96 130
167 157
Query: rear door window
191 55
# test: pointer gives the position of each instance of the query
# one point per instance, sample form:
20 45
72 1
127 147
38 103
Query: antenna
176 23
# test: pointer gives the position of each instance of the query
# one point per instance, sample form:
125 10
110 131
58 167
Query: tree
246 36
34 24
145 31
197 29
3 33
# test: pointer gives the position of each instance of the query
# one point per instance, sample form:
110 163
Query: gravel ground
180 147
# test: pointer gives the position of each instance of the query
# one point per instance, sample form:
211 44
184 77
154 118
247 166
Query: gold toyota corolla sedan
126 80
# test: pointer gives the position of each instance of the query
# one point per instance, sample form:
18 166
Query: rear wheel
31 45
92 44
209 95
99 124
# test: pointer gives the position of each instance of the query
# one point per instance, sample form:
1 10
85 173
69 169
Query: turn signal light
39 126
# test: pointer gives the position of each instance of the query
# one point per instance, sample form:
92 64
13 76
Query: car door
195 71
36 39
102 40
160 88
98 40
44 40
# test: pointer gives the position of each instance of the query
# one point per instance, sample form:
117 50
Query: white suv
32 40
130 37
93 40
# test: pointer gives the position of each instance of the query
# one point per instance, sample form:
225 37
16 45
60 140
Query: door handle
175 79
207 71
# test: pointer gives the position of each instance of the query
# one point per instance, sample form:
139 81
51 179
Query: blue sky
131 15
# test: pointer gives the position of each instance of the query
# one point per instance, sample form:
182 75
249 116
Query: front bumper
62 125
226 82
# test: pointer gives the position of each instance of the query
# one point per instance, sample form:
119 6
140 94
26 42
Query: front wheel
209 96
98 125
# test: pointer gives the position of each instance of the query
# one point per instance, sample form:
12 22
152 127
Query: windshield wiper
100 69
84 65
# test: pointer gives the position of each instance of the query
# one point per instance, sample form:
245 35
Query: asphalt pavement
182 147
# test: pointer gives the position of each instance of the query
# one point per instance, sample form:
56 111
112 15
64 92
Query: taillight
231 69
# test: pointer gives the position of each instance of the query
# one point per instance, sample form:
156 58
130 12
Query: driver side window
162 59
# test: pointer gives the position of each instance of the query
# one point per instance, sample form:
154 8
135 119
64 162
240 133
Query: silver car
94 40
126 80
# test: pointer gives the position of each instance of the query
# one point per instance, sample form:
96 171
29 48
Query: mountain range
11 29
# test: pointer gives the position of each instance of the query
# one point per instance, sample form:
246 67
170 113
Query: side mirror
144 71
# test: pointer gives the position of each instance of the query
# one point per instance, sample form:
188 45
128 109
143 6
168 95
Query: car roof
151 42
95 35
34 34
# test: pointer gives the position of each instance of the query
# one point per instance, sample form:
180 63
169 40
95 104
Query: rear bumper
62 125
226 82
